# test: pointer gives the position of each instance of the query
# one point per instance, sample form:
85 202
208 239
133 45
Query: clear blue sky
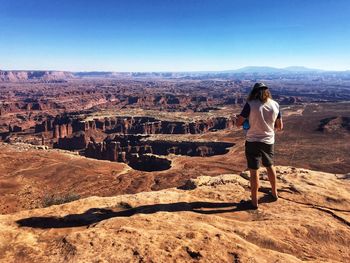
173 35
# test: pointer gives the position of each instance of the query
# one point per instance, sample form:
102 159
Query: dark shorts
256 151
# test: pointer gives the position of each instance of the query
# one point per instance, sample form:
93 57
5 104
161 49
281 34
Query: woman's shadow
95 215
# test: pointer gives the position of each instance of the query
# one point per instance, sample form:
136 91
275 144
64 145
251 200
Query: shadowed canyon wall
134 150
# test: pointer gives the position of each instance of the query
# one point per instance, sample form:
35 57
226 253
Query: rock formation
143 134
65 125
132 150
77 141
212 223
335 124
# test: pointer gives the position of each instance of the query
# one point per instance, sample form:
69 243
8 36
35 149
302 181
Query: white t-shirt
262 118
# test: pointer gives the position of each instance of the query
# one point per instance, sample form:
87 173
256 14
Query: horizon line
185 71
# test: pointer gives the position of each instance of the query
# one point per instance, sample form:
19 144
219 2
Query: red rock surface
309 223
187 132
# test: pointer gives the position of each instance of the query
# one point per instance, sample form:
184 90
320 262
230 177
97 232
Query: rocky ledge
207 220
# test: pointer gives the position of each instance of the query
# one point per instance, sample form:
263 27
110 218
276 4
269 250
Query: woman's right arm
239 121
244 115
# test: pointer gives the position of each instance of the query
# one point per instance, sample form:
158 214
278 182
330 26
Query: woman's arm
244 115
279 124
239 121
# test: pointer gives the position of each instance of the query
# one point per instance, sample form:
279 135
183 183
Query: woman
264 116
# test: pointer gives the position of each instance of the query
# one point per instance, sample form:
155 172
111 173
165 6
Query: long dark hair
260 92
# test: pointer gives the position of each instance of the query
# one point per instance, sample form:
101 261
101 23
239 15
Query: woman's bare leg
271 173
254 186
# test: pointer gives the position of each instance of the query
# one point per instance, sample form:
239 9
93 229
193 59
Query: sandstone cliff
205 221
65 125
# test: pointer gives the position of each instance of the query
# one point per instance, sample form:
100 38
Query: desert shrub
125 205
49 200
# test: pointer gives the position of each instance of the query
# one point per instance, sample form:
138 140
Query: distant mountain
101 74
59 76
44 76
254 69
265 70
302 69
245 70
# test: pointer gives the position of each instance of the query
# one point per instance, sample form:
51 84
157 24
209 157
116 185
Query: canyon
85 157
